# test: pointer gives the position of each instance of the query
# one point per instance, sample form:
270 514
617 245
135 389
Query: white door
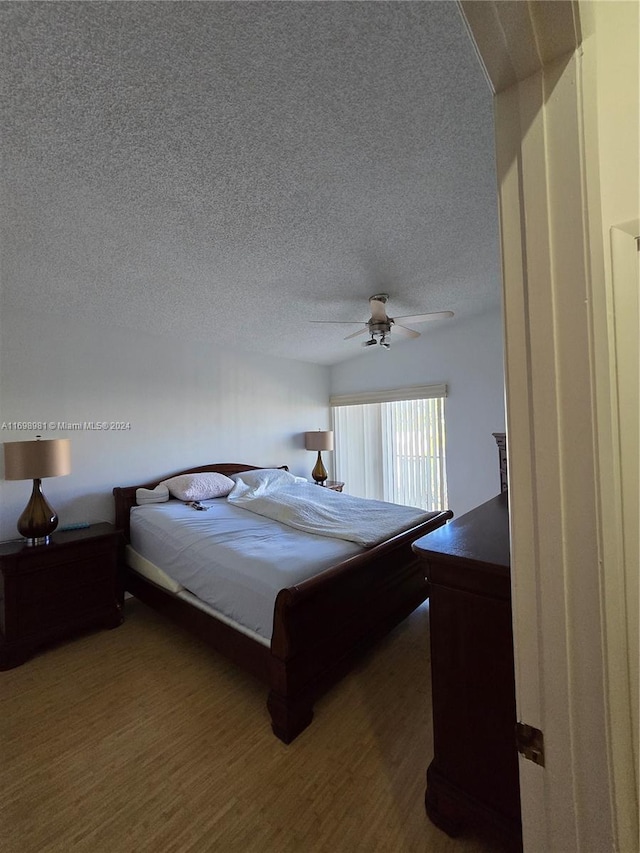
562 371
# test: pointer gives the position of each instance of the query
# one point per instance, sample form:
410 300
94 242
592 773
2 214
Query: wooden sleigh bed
320 626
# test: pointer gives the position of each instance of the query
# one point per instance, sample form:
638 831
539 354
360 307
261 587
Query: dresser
473 777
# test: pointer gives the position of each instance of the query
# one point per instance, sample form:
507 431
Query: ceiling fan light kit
379 324
379 333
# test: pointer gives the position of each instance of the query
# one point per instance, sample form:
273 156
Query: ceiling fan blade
422 318
338 322
407 333
355 334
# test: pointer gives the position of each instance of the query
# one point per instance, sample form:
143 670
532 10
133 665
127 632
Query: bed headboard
125 496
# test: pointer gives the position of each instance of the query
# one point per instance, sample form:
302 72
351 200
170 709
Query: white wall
188 403
467 356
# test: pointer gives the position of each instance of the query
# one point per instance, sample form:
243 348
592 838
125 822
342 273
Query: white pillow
199 487
158 495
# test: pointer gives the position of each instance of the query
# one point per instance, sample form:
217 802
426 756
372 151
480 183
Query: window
391 445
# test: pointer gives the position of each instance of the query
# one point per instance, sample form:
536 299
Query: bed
318 625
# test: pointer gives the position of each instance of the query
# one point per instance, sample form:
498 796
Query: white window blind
393 450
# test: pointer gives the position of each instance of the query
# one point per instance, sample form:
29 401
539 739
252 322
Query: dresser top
481 536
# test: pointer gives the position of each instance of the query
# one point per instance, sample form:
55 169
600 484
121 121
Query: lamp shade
318 440
33 460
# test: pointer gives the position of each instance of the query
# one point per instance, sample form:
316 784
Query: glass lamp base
38 520
319 473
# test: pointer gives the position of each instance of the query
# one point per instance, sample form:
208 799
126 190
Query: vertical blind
393 450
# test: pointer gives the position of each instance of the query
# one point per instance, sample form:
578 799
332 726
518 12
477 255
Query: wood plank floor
142 739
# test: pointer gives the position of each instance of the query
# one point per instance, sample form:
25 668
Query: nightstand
334 485
48 592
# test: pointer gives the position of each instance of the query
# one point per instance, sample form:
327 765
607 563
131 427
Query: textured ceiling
234 170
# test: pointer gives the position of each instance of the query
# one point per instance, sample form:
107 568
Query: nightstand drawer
79 602
49 583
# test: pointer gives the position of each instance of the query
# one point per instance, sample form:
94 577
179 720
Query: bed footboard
323 625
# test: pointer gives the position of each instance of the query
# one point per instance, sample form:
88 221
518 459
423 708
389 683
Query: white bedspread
236 560
314 509
233 560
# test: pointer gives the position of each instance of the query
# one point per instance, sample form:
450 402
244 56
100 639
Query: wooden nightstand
334 485
52 591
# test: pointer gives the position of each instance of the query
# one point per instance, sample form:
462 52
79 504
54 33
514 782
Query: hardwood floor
141 739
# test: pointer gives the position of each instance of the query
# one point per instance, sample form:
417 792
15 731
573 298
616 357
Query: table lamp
26 460
319 440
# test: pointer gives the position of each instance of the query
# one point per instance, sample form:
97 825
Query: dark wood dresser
473 778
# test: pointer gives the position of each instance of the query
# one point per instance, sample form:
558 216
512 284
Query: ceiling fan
379 324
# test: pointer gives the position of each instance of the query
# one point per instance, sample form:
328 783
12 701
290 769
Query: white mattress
232 560
148 570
